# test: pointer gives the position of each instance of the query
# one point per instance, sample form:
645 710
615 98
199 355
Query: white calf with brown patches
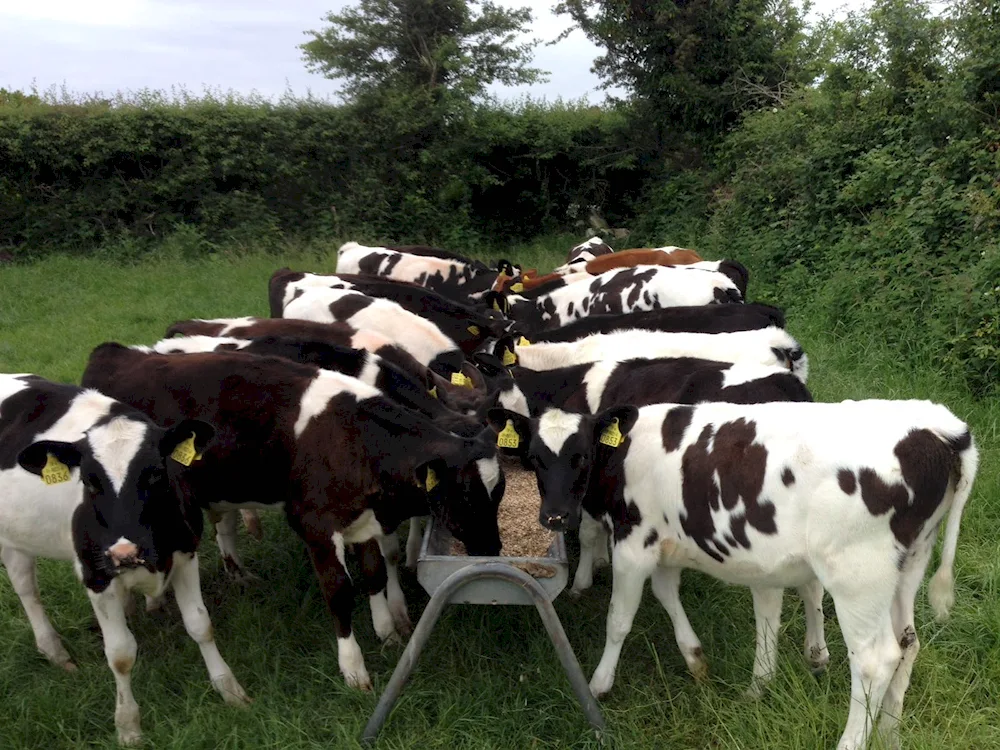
766 346
844 496
86 479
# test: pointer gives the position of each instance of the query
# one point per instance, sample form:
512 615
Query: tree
692 66
438 46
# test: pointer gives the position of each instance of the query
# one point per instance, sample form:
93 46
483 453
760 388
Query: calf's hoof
360 681
698 667
817 659
600 684
231 691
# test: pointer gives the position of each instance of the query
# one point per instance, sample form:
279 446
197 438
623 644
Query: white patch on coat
556 427
194 344
489 472
363 528
115 445
417 335
596 380
741 373
752 347
369 341
11 384
370 370
322 389
514 400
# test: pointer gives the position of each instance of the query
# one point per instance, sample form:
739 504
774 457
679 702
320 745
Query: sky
105 46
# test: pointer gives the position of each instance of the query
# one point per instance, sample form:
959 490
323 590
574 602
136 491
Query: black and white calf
847 496
457 279
764 346
697 319
87 479
578 255
620 292
466 326
345 463
418 336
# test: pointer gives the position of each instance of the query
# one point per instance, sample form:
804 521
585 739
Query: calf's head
564 449
126 493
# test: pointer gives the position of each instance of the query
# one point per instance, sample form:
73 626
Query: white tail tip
941 592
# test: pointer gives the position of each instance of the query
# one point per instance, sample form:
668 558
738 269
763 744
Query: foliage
694 66
383 46
80 175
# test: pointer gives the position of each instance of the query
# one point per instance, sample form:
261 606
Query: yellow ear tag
496 306
434 392
55 471
517 288
432 480
612 435
508 437
185 453
523 342
458 378
474 330
509 358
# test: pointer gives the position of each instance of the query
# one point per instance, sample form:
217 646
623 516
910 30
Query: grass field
489 678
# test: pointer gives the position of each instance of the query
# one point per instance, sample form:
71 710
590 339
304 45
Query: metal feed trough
459 579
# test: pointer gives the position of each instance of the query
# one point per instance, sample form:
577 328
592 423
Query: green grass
489 678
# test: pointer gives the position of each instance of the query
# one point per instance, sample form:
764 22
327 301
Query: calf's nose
123 552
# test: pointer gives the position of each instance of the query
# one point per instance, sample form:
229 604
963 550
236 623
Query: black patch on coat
349 305
847 480
674 426
787 477
651 538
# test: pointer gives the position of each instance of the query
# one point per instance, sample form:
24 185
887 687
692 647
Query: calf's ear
614 422
513 430
189 434
35 457
428 474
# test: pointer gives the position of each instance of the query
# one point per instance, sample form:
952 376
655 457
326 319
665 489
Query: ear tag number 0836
55 471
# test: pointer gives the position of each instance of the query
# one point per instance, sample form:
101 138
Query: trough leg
428 620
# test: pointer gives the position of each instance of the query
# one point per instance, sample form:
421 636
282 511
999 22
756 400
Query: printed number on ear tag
612 435
185 453
508 437
432 480
517 288
523 342
474 330
509 358
55 471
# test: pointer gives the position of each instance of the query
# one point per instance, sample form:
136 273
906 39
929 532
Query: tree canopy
435 45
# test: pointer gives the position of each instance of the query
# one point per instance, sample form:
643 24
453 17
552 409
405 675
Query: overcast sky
241 45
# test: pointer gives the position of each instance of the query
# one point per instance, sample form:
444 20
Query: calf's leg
225 537
23 577
767 615
667 589
413 540
630 573
331 572
375 579
591 537
906 634
816 653
120 651
389 544
187 590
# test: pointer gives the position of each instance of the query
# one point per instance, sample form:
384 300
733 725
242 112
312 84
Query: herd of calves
664 417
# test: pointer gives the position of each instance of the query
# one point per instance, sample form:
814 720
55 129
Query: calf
587 251
87 479
848 495
735 272
665 256
466 326
421 338
764 346
346 464
620 292
453 278
698 319
459 397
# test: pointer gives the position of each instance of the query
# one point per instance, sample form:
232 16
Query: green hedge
75 176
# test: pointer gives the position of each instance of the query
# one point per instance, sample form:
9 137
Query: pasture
489 678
